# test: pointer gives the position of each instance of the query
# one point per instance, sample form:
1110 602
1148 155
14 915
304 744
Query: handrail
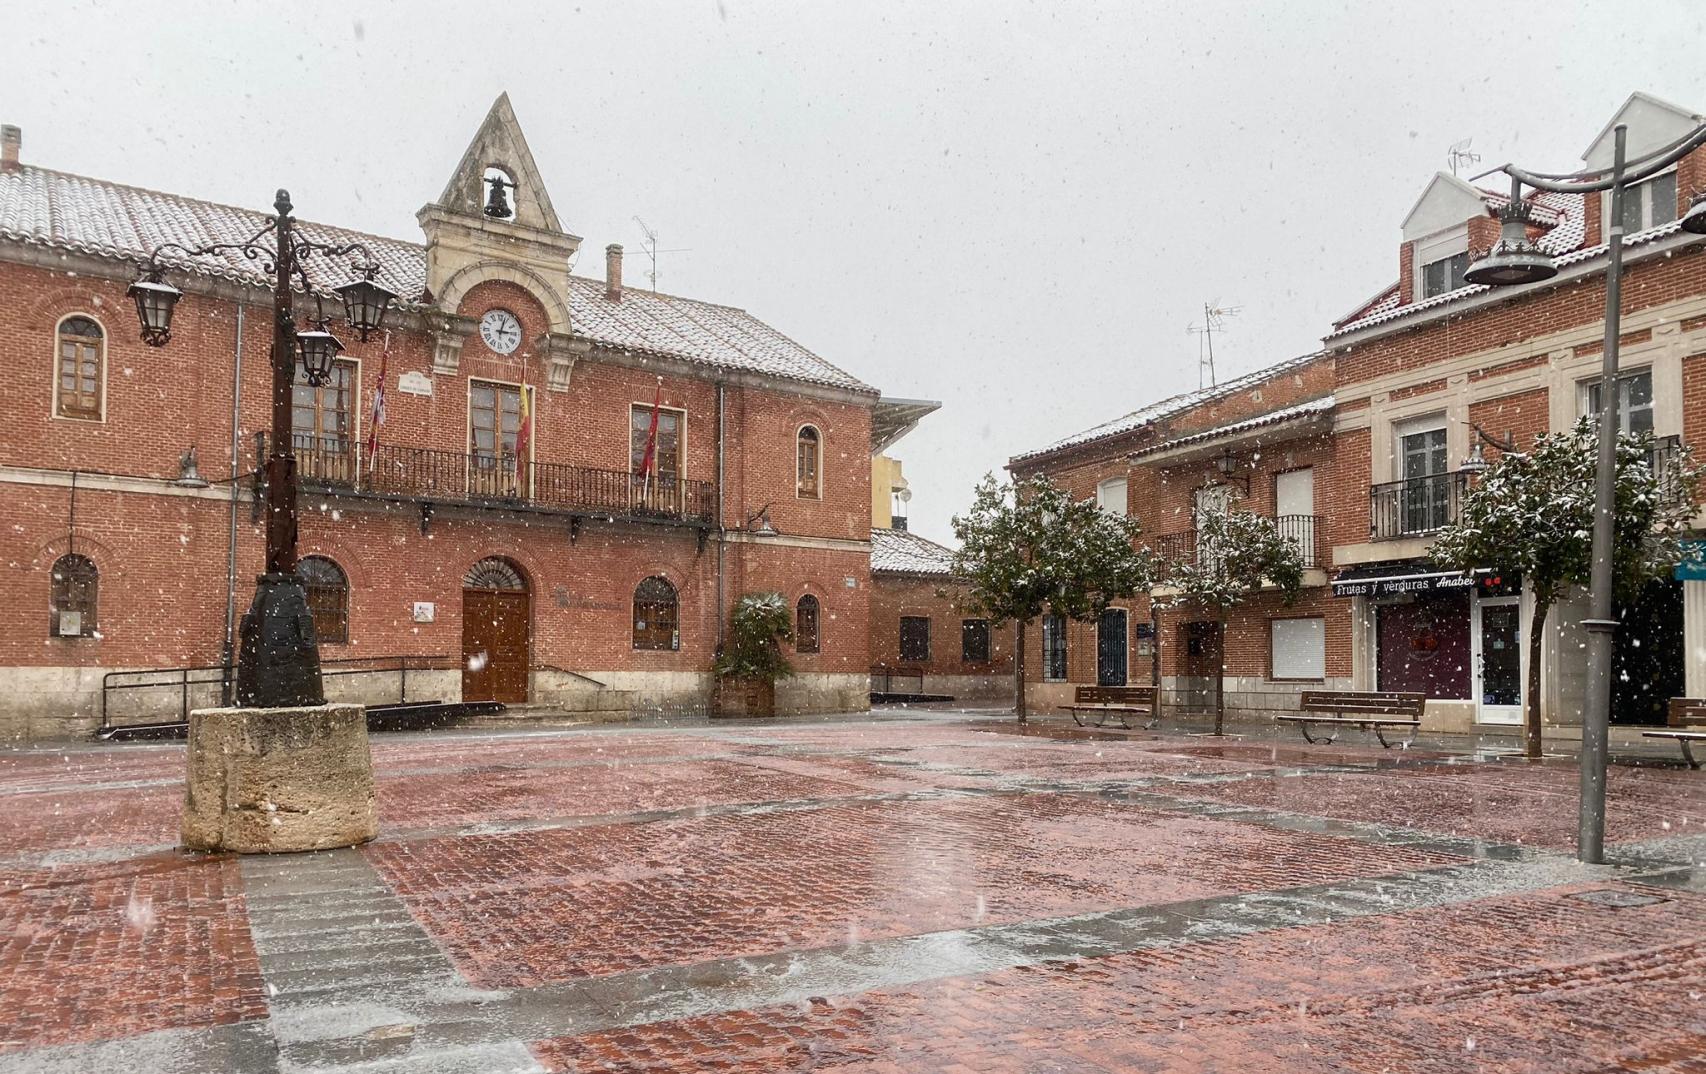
497 480
1415 506
183 676
576 674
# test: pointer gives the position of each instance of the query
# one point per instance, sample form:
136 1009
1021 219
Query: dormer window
1649 204
1444 275
1441 261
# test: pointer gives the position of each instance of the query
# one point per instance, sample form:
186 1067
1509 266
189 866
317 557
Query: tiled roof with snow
1276 417
1563 243
1154 412
92 216
905 552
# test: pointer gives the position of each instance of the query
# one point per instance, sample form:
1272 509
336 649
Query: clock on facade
501 331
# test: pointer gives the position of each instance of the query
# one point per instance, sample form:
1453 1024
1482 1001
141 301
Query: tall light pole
278 662
1515 260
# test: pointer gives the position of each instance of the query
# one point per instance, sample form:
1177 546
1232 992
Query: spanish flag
523 438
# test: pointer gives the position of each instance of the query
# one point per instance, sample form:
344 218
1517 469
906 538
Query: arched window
80 367
76 585
494 573
810 455
328 597
657 615
806 637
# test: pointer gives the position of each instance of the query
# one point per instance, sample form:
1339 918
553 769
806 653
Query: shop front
1454 637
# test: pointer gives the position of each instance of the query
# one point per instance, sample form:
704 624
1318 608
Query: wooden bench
1105 701
1683 739
1375 711
1686 710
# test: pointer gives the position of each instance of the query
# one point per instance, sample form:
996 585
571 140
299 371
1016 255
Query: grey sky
1014 208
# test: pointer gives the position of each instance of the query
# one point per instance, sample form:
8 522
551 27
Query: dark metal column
1596 717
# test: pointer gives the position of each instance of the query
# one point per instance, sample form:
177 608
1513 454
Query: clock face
501 331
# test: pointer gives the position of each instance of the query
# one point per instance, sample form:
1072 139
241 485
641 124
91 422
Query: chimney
11 140
613 272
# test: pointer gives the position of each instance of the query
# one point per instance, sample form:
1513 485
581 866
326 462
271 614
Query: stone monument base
268 781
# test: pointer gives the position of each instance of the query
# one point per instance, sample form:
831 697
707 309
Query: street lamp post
1515 260
278 663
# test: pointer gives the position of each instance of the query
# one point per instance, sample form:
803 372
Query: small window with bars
914 638
657 615
974 641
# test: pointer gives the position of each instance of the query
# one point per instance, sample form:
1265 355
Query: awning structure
1391 579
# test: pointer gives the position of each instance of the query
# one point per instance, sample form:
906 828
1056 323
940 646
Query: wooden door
494 645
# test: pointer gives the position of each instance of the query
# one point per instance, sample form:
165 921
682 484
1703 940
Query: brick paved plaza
897 895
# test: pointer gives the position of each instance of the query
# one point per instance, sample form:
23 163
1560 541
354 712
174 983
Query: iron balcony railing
1186 548
1666 462
1415 507
483 479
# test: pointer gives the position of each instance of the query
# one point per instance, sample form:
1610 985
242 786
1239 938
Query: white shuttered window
1299 648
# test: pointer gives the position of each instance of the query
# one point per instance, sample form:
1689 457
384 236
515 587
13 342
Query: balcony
430 476
1183 548
1666 462
1415 507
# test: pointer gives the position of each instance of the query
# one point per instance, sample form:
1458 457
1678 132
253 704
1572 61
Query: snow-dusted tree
1029 548
1532 512
1237 554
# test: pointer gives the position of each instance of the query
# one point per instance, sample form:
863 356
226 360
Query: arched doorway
496 619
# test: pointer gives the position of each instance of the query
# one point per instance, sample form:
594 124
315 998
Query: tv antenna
650 249
1459 154
1213 320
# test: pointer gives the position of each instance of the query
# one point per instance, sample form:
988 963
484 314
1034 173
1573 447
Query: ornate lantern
318 349
154 300
366 303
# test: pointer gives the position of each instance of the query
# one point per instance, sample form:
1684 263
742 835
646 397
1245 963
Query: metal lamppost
278 662
1515 260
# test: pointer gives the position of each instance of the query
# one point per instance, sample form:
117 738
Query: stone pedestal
265 781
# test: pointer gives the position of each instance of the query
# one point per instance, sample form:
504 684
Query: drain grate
1618 899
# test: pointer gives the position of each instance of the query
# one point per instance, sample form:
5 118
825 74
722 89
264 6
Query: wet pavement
920 892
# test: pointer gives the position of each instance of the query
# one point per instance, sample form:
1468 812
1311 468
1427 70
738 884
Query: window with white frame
1298 648
1634 400
1649 204
1441 261
1111 496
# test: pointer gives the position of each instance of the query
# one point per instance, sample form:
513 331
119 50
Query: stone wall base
267 781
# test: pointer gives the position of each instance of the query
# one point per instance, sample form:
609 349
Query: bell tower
495 221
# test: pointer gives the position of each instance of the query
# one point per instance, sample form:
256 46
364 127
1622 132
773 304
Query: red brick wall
1524 415
1645 284
163 559
894 596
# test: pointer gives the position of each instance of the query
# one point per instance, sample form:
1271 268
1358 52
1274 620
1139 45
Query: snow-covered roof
1276 417
1563 242
905 552
1155 412
92 216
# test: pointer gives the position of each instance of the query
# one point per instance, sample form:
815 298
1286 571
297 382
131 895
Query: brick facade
164 552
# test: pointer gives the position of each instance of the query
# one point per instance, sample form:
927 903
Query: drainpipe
722 419
227 654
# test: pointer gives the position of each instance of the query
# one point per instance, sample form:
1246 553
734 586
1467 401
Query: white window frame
1642 190
1437 247
1304 651
1414 426
1585 389
1117 504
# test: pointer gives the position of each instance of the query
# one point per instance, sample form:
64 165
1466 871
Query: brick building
524 576
1262 441
1367 440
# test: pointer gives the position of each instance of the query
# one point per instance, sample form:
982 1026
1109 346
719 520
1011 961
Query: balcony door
1424 500
494 424
322 425
1294 510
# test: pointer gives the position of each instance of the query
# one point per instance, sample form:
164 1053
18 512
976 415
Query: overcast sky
1016 209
